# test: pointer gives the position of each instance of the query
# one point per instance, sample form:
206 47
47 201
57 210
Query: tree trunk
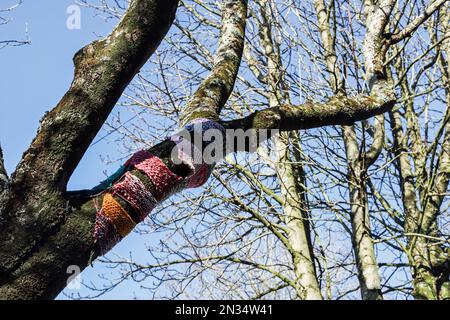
41 233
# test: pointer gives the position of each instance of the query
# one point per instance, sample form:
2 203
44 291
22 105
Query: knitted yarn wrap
191 154
132 190
162 177
113 222
105 233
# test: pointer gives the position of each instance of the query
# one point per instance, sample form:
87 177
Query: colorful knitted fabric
132 190
114 212
164 180
112 221
191 156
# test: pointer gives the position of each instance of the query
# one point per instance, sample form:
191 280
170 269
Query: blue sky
33 79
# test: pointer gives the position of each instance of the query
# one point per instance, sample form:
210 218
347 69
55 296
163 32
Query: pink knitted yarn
132 190
190 155
164 180
105 233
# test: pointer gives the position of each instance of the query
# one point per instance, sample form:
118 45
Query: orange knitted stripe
117 215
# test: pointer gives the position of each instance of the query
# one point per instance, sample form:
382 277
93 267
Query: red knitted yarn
132 190
163 179
138 157
200 177
105 233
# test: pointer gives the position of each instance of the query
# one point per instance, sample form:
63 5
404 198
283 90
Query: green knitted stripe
106 184
145 180
128 208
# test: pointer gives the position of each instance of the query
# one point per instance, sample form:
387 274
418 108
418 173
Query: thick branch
339 110
36 213
215 90
378 141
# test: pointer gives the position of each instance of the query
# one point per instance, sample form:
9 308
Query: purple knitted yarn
204 124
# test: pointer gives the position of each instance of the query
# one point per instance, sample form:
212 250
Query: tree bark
43 230
40 233
357 163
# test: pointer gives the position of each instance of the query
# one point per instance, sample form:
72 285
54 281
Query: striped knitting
112 221
132 190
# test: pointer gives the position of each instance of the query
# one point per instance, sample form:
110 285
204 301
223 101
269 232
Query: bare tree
421 155
272 227
316 178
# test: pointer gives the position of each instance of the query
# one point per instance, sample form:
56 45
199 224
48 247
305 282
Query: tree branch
213 93
339 110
